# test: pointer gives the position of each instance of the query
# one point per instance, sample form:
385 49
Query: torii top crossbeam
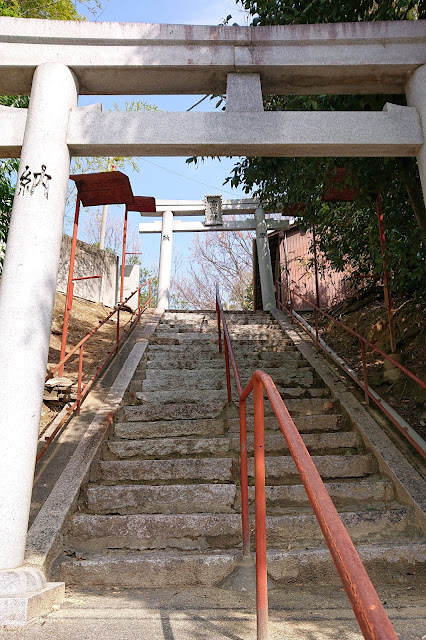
372 57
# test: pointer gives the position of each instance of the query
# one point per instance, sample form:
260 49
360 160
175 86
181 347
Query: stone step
211 339
176 411
281 468
215 378
135 429
168 428
205 349
193 393
278 469
223 498
150 570
219 447
386 563
179 498
187 470
201 531
375 493
160 360
301 406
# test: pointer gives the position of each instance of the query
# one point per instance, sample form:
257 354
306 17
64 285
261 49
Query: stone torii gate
236 207
56 61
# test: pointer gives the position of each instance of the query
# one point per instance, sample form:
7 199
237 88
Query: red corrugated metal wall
294 260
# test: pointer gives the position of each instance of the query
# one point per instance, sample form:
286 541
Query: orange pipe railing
363 343
83 389
372 618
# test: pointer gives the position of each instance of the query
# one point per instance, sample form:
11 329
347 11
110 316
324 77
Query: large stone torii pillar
30 272
415 92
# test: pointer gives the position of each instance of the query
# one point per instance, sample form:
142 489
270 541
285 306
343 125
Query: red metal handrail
372 618
363 343
83 390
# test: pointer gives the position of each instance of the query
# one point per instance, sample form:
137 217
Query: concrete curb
45 535
409 485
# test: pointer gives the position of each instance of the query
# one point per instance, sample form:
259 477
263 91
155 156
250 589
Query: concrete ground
201 614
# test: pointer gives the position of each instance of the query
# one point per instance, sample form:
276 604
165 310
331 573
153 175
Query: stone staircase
162 507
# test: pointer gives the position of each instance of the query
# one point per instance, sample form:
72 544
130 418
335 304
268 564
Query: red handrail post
244 478
68 301
118 331
260 511
314 240
149 293
291 307
218 327
123 256
80 375
139 304
316 327
364 371
228 375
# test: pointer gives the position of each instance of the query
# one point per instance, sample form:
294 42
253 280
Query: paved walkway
215 614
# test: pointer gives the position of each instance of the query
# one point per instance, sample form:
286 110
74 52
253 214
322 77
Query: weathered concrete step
328 466
386 563
193 393
218 470
218 447
150 570
222 531
177 411
371 492
135 429
183 498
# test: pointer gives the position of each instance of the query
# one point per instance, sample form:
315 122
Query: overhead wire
187 178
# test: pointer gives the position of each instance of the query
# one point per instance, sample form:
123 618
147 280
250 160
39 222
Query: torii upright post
264 259
165 268
29 275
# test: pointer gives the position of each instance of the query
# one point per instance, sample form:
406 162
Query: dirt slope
367 315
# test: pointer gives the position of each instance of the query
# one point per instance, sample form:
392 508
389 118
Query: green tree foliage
52 10
347 233
266 12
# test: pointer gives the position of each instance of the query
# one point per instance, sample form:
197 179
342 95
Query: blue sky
170 178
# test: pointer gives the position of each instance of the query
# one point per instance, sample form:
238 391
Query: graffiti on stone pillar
41 179
166 237
38 179
24 181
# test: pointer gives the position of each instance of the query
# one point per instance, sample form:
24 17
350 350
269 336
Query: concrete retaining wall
131 282
89 261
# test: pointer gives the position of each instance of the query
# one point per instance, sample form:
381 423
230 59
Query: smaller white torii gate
256 221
